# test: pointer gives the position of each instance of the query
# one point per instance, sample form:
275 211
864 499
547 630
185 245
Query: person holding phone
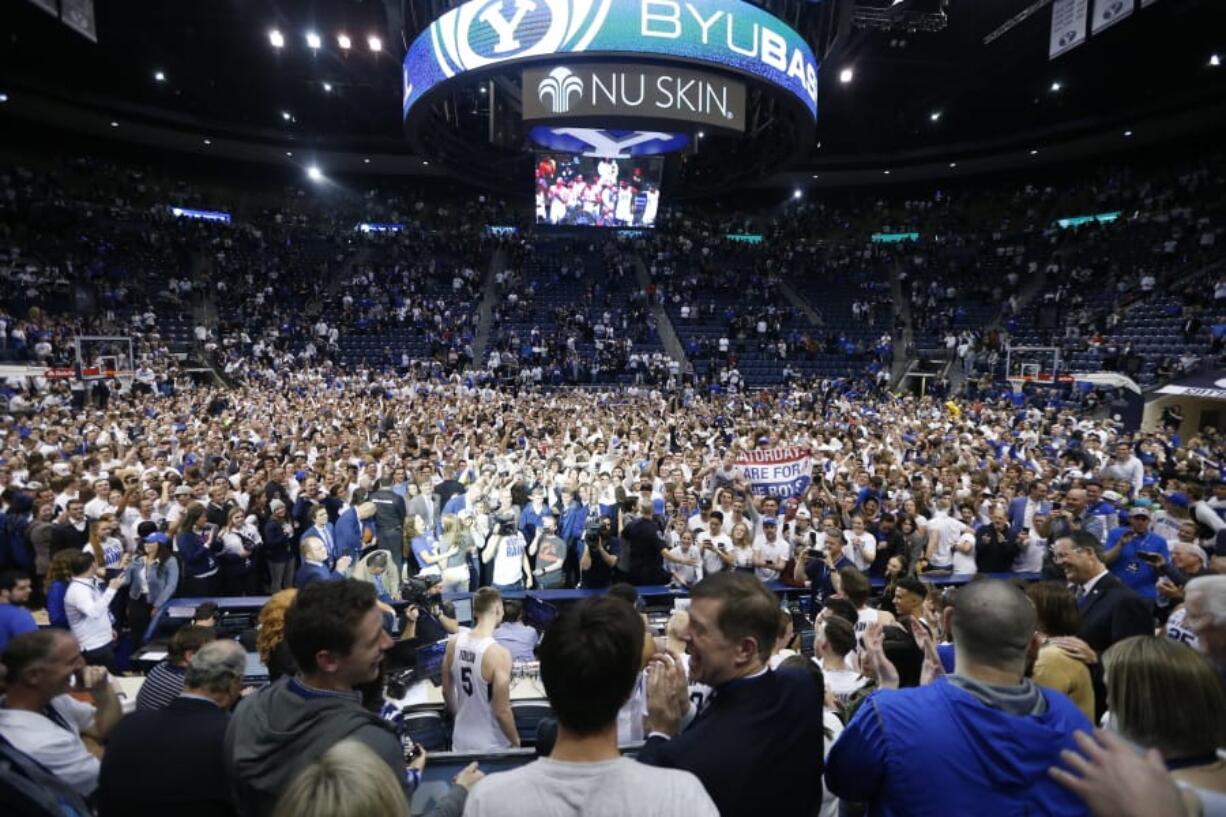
1136 554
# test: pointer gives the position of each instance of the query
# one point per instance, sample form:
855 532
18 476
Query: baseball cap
1178 499
770 520
802 511
1112 496
183 490
276 505
1141 510
159 537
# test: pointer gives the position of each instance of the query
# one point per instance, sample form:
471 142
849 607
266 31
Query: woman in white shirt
742 548
860 545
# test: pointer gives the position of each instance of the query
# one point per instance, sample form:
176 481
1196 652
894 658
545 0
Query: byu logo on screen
492 16
559 86
478 34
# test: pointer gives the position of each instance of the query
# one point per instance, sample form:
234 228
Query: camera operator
600 556
508 552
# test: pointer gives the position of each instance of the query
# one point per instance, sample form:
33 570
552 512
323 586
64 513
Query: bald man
922 750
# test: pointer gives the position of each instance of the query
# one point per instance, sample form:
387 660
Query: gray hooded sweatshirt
275 733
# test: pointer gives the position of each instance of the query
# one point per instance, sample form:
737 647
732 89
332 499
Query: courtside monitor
430 661
576 190
463 610
539 614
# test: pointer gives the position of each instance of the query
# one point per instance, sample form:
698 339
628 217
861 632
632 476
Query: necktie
1082 597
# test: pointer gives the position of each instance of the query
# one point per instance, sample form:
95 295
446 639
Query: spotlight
208 141
796 194
425 163
286 115
289 154
886 172
328 87
314 173
935 116
344 42
1214 60
1057 87
702 134
114 124
313 41
953 164
1034 152
276 38
1128 133
3 98
846 75
366 161
374 43
159 76
815 175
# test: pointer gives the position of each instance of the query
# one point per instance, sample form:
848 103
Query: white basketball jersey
476 730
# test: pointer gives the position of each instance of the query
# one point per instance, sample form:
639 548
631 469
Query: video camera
416 590
504 523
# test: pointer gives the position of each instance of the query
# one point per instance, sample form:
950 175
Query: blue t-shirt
1134 571
14 621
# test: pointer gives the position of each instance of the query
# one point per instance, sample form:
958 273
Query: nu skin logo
492 16
558 87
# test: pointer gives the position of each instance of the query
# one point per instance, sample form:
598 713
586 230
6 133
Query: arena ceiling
208 71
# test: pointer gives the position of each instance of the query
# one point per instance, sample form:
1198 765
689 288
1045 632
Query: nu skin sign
609 91
730 35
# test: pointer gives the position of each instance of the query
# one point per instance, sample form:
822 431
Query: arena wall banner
1109 12
1068 26
730 35
777 472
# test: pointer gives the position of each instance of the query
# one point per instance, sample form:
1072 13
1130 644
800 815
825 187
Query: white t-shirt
689 574
610 788
964 563
712 563
834 727
843 682
777 550
57 747
861 549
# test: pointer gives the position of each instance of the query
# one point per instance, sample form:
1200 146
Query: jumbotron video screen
587 191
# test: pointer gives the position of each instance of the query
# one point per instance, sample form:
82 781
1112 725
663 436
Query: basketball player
477 682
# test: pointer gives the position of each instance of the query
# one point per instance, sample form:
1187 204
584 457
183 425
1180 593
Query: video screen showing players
586 191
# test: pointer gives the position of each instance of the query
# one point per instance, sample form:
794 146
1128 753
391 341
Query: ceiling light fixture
314 173
886 172
208 141
313 41
935 116
4 98
1214 60
289 153
1057 87
953 164
846 75
286 115
328 87
344 42
366 161
374 43
114 124
1128 133
159 76
276 38
796 194
1034 152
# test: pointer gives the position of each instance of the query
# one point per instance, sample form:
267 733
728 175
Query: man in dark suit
171 761
314 564
1036 495
760 725
1110 610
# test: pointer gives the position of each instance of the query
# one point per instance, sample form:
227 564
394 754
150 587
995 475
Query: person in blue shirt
15 619
1135 554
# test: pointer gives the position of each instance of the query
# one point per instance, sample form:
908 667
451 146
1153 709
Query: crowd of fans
338 466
